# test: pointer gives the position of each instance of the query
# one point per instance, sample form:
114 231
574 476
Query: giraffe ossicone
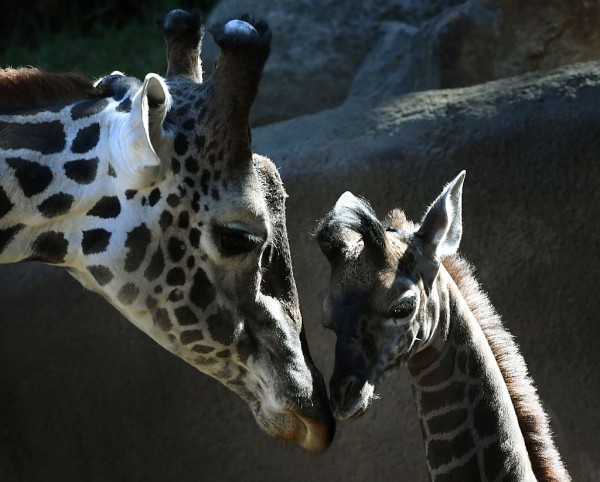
149 193
401 296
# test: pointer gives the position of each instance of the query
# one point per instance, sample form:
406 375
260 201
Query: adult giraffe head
152 197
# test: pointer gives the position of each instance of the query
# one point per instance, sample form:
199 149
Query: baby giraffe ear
143 145
441 228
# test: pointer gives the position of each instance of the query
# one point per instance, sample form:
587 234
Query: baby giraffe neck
469 425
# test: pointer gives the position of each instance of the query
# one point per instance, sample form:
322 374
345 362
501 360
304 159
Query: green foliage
94 41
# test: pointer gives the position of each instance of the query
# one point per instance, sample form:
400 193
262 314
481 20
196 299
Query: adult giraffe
400 295
151 196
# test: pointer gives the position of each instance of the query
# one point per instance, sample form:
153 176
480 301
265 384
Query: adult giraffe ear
141 147
441 229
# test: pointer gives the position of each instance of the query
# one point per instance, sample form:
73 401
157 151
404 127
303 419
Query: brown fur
533 421
29 87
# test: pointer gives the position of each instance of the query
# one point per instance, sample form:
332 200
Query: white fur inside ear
139 135
239 28
345 201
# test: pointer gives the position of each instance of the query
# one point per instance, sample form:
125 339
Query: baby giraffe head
383 302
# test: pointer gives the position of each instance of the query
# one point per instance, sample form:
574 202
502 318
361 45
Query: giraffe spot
493 460
221 326
175 166
8 234
204 349
473 393
202 360
184 220
124 105
50 247
447 422
175 295
154 197
467 471
190 262
485 418
196 201
204 180
443 370
173 200
82 171
450 395
190 336
166 219
162 319
107 207
176 248
101 274
461 362
56 205
95 241
33 178
151 303
5 204
191 164
199 141
442 452
86 139
137 242
128 293
176 277
181 144
156 265
185 316
88 108
194 237
475 366
43 137
202 292
189 124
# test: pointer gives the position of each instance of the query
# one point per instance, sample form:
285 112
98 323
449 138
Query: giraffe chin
313 434
352 404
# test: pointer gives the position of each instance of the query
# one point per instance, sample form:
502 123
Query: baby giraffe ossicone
401 296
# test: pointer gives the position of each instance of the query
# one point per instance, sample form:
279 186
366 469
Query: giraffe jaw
353 399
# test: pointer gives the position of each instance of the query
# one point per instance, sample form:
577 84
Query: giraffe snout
350 396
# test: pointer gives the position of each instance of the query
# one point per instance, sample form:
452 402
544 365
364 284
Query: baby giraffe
400 295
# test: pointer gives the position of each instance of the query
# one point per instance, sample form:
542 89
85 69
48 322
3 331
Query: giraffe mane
30 87
533 420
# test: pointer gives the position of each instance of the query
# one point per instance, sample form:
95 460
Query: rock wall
86 396
319 46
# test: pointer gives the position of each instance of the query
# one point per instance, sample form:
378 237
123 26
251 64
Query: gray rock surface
411 45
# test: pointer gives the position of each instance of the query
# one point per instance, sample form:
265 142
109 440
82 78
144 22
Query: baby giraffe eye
404 307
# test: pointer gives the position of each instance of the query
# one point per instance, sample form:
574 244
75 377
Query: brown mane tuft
545 459
30 88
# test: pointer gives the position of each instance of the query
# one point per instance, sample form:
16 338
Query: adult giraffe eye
234 242
404 308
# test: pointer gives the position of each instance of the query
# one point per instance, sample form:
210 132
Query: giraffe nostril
345 390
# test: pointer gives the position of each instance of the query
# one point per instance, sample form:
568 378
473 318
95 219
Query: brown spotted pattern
174 220
399 295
